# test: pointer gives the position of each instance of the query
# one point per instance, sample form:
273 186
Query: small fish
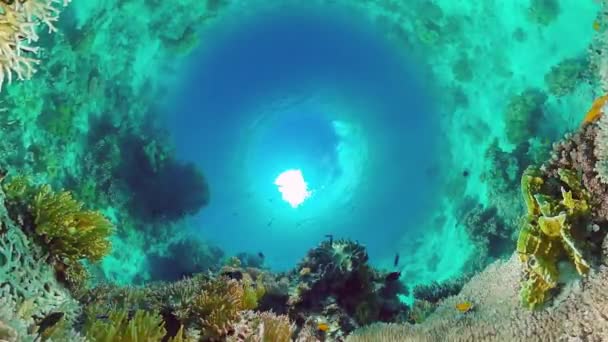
261 255
323 327
396 261
270 222
393 276
596 25
465 173
464 307
596 109
49 321
331 239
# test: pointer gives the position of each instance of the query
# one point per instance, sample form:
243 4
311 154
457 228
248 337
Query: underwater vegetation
95 238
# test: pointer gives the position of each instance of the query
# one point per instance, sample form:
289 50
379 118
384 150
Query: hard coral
19 22
548 234
579 151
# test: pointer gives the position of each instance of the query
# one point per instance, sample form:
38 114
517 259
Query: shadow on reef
183 259
137 169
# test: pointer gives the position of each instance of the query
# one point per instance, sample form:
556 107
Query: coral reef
29 290
543 12
522 113
564 77
577 152
555 228
120 327
336 275
499 315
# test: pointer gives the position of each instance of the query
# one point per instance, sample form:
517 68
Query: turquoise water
323 170
270 95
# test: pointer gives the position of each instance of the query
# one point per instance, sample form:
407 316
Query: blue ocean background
321 91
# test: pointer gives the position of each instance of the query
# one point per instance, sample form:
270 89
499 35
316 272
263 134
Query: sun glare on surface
293 187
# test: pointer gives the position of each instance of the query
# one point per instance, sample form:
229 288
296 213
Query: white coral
19 22
601 147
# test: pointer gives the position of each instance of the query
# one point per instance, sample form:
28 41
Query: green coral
546 236
143 326
70 232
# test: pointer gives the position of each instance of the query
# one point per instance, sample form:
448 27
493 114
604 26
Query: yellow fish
596 109
596 25
464 307
323 327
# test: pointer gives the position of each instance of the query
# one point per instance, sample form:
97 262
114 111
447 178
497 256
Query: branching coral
19 22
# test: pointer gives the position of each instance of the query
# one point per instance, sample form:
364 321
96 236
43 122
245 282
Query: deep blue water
221 122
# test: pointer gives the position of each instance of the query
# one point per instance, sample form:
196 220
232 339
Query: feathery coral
143 326
70 231
217 306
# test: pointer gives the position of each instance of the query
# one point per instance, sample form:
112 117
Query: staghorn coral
547 235
19 22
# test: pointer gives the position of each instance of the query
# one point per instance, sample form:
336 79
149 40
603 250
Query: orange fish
596 109
464 307
323 327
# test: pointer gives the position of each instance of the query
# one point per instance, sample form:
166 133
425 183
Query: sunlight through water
293 187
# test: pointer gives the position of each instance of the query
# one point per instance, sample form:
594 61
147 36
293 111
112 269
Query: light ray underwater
303 171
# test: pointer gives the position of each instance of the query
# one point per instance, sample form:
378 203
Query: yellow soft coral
143 326
217 307
545 236
70 232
